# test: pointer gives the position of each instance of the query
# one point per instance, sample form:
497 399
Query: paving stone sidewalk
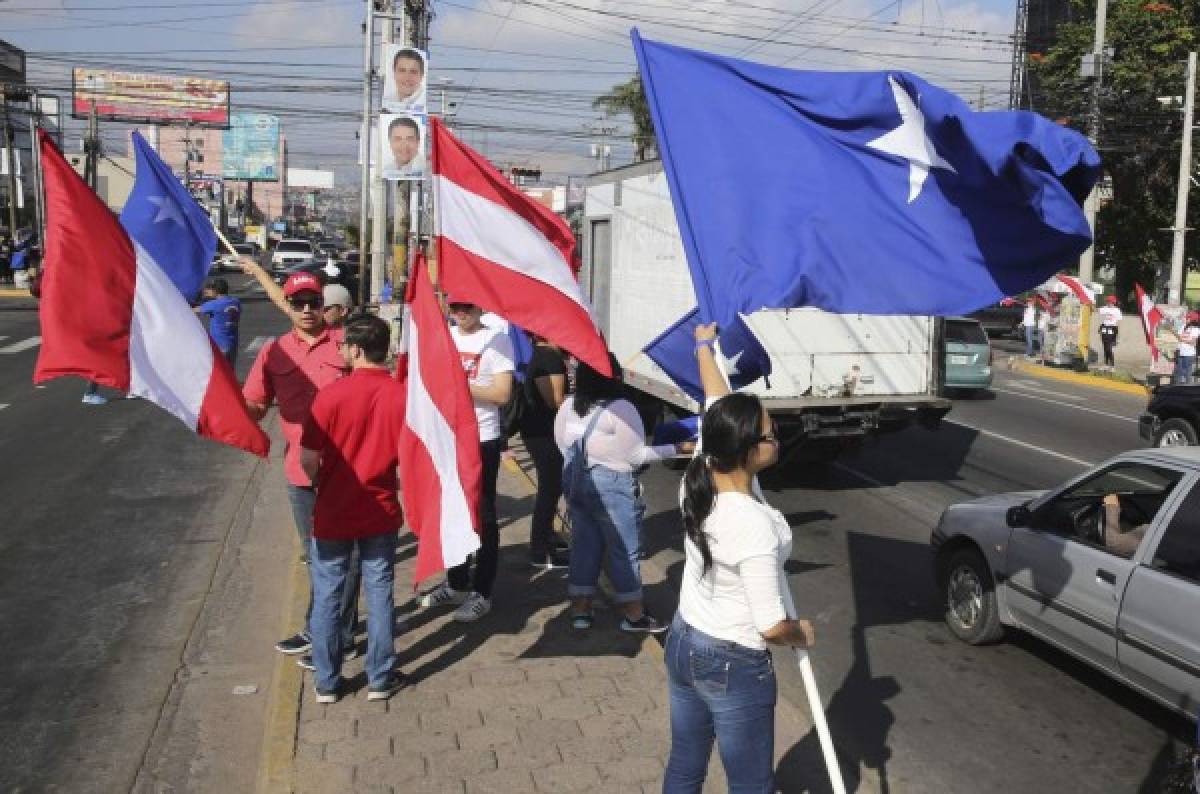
518 702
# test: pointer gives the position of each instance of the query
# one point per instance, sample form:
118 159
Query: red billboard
149 98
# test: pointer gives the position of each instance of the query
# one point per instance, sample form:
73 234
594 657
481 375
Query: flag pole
822 725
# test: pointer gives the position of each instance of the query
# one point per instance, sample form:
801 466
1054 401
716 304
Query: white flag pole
818 717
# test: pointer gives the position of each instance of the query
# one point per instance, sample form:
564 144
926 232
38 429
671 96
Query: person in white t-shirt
1185 356
1029 322
734 598
1110 317
487 357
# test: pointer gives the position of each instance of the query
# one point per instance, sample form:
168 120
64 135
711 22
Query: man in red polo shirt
289 372
350 450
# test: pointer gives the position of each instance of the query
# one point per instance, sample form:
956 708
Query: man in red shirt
289 372
350 450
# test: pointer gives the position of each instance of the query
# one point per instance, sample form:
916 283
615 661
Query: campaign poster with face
402 146
404 76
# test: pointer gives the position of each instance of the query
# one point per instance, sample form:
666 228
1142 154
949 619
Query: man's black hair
219 286
411 55
407 122
371 335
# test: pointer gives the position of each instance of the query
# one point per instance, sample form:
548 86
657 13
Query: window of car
965 333
294 247
242 248
1178 552
1079 513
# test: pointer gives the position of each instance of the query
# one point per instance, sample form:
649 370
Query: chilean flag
1151 317
503 251
112 309
440 469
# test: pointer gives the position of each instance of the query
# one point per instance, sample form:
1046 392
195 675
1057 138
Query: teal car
968 358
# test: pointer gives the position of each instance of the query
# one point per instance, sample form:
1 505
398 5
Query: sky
519 77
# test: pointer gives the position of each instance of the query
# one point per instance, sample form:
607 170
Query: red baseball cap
301 282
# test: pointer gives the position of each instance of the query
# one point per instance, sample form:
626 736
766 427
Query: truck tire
1175 433
969 597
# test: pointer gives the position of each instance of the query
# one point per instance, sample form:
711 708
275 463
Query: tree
1140 135
629 98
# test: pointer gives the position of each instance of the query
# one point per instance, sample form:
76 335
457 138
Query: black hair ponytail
699 494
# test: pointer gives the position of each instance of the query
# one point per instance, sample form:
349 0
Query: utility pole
91 148
410 214
1175 287
10 162
1092 66
380 188
187 157
367 152
982 99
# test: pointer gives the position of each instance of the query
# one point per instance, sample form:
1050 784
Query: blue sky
521 75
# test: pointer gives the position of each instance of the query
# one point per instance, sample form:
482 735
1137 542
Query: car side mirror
1019 516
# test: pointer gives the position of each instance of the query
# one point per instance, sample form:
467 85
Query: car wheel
970 598
1175 433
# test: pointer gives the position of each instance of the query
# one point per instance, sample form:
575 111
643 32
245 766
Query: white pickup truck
837 378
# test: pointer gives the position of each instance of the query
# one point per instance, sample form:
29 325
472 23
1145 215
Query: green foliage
1139 136
629 99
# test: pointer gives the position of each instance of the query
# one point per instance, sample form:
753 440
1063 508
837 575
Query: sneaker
306 661
94 399
443 595
394 683
326 695
643 625
557 558
298 643
475 607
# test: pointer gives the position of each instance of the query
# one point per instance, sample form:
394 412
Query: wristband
709 343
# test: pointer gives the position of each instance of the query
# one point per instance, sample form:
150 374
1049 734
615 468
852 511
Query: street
134 595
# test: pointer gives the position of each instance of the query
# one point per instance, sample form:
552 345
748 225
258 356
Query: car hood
996 502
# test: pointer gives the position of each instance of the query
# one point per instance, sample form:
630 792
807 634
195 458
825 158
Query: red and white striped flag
1151 317
439 446
503 251
1082 291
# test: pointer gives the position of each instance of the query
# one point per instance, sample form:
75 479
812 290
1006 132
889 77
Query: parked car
227 261
1172 417
1106 567
968 355
1001 319
291 252
328 273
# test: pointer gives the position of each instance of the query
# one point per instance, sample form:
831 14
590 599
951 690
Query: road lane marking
4 405
256 343
919 509
1000 437
23 345
1028 384
1066 405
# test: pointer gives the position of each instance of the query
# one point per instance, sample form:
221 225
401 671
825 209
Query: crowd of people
341 415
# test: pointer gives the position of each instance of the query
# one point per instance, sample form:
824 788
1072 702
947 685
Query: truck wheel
969 598
1175 433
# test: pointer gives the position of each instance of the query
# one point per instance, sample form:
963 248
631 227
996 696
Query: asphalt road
115 521
911 708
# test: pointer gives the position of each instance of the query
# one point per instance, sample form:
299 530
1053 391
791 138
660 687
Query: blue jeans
606 512
330 566
1029 330
1184 366
721 690
302 499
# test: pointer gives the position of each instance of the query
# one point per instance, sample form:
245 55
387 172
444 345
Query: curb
14 293
283 703
1066 376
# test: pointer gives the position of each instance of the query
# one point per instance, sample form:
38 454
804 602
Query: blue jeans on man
724 691
1029 332
302 499
1184 367
331 566
606 512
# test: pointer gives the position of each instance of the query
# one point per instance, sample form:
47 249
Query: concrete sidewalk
518 702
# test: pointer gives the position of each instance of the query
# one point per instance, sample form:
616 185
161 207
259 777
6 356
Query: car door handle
1106 576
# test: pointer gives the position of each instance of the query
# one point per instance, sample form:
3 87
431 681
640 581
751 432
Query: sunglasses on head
461 307
300 304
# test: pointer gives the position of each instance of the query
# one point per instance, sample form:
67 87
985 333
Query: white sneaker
443 595
475 607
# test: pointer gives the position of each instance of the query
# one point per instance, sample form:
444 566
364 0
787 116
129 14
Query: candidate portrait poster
404 79
402 146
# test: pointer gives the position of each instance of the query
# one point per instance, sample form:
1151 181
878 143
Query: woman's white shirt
745 592
618 441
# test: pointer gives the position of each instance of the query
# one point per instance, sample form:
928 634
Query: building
114 178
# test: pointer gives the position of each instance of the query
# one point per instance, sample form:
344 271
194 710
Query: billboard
402 147
12 64
310 179
404 80
251 147
159 99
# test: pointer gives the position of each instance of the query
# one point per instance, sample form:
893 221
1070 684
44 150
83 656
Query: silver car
1106 567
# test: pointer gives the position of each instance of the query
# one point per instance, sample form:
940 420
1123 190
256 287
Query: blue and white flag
164 219
858 192
743 357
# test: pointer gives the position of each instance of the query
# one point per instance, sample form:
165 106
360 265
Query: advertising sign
402 147
159 99
310 179
251 147
404 79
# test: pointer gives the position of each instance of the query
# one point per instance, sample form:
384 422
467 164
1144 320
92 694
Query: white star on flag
729 365
910 142
168 210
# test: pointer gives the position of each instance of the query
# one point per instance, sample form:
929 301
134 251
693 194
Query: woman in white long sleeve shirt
604 443
734 598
